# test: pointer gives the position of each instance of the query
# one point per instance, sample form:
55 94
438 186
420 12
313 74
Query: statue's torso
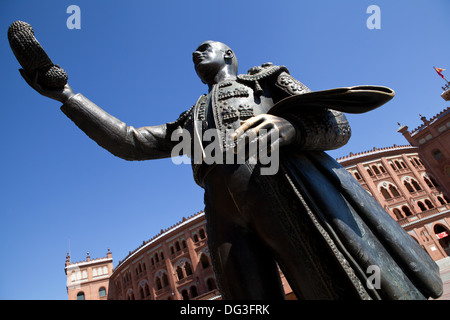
228 105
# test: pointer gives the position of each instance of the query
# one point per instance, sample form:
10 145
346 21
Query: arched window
80 295
185 294
177 246
394 191
429 204
439 228
393 166
406 211
202 234
416 185
385 193
417 161
437 154
193 291
375 169
370 172
165 280
441 200
180 273
428 182
146 290
211 284
156 257
421 206
102 292
398 164
442 234
141 293
433 181
397 214
357 176
408 186
187 268
204 261
382 169
158 283
172 251
195 238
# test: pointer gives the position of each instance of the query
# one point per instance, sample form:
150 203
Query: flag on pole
439 71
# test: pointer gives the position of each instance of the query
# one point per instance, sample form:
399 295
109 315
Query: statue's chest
225 108
230 103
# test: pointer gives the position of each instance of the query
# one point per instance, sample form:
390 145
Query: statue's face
209 58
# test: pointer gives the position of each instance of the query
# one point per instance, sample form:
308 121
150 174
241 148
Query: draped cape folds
342 209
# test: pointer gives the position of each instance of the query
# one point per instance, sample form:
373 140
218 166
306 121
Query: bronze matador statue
310 217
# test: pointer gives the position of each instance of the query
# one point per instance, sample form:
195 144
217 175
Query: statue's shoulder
280 75
263 71
184 118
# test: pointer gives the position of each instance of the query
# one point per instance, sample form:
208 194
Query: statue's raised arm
50 80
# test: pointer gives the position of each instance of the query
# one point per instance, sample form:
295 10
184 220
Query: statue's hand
61 95
266 127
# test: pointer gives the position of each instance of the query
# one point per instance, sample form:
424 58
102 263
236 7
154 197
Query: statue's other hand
268 129
60 94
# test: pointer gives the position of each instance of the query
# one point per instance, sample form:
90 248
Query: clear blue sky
133 58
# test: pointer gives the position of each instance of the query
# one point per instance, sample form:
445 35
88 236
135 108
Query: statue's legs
245 268
249 231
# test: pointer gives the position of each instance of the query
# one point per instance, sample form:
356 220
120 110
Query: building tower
89 279
446 94
433 140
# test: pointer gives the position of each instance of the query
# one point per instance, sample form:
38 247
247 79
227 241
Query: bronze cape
356 228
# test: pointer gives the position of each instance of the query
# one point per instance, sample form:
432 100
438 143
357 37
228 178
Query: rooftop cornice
430 121
360 155
86 263
164 233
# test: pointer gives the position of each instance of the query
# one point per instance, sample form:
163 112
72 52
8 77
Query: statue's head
212 58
